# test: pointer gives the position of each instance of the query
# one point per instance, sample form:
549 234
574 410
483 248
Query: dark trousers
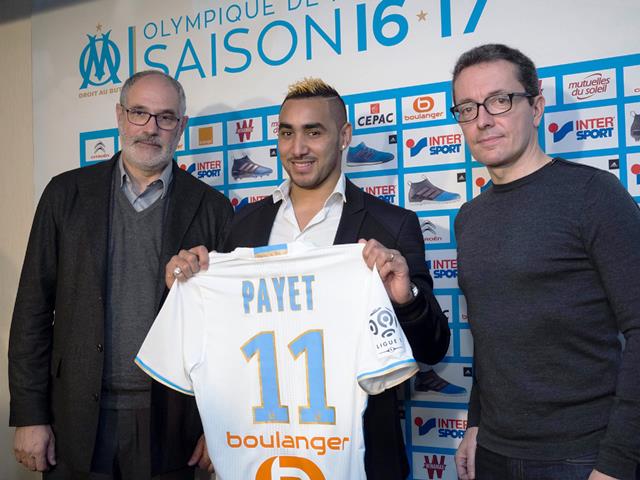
122 450
492 466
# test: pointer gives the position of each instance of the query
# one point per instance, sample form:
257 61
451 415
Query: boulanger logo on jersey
375 114
583 87
269 470
424 108
579 130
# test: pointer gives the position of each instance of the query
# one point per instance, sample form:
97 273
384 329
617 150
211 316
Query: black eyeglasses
494 104
164 121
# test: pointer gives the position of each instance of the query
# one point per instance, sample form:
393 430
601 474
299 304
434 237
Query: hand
393 270
35 447
596 475
466 455
200 456
186 264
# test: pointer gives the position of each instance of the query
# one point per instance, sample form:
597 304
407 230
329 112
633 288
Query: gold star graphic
99 27
422 16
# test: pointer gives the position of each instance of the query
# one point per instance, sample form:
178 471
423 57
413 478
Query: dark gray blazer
426 327
57 331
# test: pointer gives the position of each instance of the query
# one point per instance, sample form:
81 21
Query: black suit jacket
57 332
426 327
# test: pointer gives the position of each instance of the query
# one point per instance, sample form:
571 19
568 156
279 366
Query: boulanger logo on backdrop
233 37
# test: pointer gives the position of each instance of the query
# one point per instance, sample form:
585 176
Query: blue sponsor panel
98 146
378 113
436 229
433 146
207 167
580 130
383 187
632 124
205 136
443 267
444 382
441 428
252 164
373 152
433 466
424 108
609 164
435 190
633 175
589 86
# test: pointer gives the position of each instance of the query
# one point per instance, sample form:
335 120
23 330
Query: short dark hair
492 52
313 88
182 99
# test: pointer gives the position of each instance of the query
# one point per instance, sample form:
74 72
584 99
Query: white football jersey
280 346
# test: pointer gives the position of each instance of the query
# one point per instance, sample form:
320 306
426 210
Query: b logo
423 104
304 465
92 64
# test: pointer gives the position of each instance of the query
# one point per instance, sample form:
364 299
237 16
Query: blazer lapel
94 192
183 205
353 214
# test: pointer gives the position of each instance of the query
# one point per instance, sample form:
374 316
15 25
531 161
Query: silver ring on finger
391 257
177 272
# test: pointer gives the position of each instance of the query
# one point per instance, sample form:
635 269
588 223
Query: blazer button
95 397
99 347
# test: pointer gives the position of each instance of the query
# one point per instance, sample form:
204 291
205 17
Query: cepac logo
443 267
303 465
244 130
447 427
99 61
438 144
375 115
591 85
435 466
202 170
383 192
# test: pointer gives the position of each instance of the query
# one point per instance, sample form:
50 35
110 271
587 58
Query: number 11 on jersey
271 410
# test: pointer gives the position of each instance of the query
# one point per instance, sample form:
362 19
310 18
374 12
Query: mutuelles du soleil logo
99 60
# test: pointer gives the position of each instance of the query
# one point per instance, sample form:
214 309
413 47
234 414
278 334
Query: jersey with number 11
281 347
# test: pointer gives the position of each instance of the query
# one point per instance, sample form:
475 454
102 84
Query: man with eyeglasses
91 285
549 264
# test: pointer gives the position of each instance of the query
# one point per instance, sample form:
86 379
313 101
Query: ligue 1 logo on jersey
99 61
382 325
303 465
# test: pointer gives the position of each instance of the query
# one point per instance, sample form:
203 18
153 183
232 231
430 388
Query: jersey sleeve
173 346
384 357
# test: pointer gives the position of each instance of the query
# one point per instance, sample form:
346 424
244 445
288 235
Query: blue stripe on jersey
150 371
391 366
270 250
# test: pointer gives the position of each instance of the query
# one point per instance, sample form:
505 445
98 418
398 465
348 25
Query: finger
471 463
51 451
192 261
197 452
41 462
203 256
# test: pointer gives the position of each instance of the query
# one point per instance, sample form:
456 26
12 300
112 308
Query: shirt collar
165 178
281 193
